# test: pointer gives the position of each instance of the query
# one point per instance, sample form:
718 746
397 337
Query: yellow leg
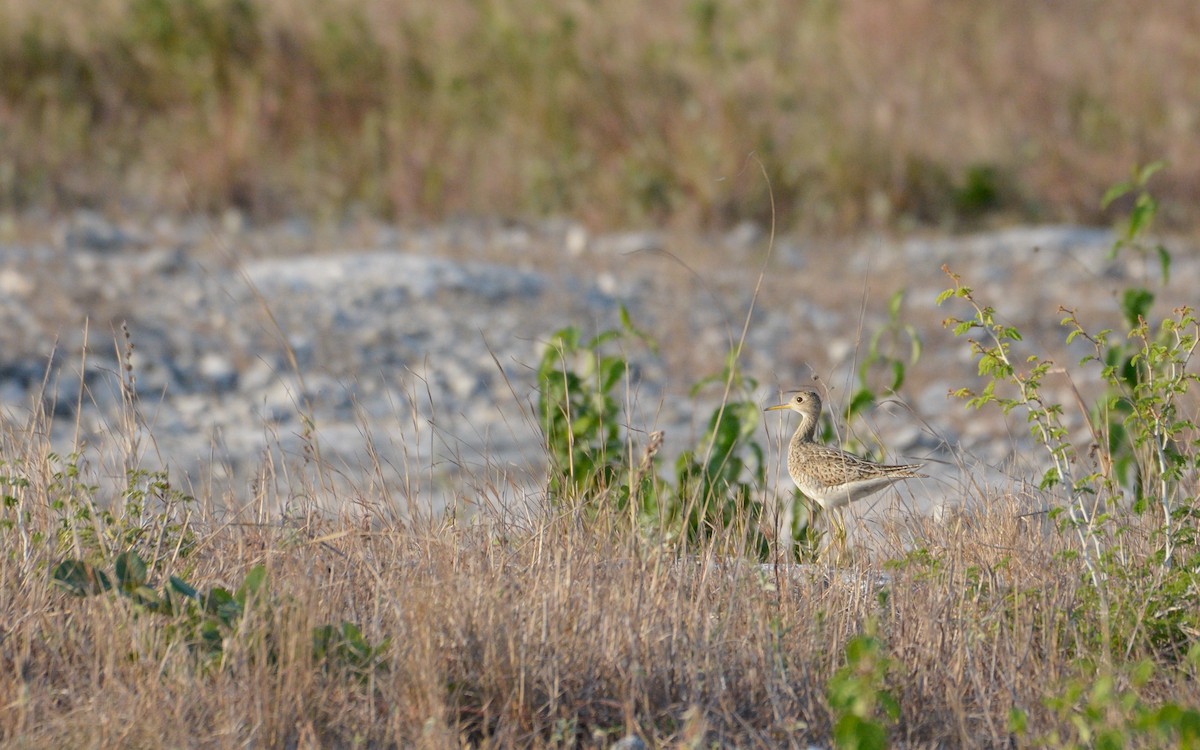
813 535
837 532
840 524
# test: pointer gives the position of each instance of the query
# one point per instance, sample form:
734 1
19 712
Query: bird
831 477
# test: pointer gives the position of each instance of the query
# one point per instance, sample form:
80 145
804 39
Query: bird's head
804 402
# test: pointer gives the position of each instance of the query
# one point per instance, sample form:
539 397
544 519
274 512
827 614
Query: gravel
406 357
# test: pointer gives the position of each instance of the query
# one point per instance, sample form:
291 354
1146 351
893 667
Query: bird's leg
837 532
812 534
841 533
834 523
840 526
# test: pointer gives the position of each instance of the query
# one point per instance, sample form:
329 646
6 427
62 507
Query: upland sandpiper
830 477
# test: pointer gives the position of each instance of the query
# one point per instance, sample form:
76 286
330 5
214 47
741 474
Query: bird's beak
777 407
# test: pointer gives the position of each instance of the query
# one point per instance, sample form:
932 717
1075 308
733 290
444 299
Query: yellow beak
778 407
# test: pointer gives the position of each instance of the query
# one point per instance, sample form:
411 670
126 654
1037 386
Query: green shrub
204 621
1145 446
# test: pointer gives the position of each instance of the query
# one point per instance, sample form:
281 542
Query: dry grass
549 629
864 113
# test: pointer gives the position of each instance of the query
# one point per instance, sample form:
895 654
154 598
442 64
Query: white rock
576 240
357 276
218 371
14 284
628 243
745 235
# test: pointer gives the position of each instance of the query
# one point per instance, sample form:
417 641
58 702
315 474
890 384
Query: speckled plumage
831 477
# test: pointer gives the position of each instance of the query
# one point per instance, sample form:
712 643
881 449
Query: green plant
205 620
1124 366
346 648
893 348
1144 442
1147 436
1103 708
1001 367
718 481
579 411
1139 420
202 620
1135 227
149 514
860 703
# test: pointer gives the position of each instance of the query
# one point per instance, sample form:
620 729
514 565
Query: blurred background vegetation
863 113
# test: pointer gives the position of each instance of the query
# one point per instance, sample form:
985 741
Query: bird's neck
806 431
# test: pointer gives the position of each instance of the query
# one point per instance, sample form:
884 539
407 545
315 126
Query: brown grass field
296 612
561 625
865 114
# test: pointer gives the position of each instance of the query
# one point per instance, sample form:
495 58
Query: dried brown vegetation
863 113
557 629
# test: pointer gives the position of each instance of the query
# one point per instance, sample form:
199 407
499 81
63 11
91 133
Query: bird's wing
860 468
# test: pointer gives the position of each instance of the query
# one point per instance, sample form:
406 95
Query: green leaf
1142 672
861 400
181 586
1049 479
749 416
219 600
854 732
585 425
700 384
254 583
1018 721
1135 305
628 326
211 636
916 344
989 365
1110 739
611 371
1146 172
565 340
1164 263
145 596
889 704
80 578
726 427
1114 192
1142 215
1189 727
626 321
602 338
322 636
945 295
229 611
131 570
